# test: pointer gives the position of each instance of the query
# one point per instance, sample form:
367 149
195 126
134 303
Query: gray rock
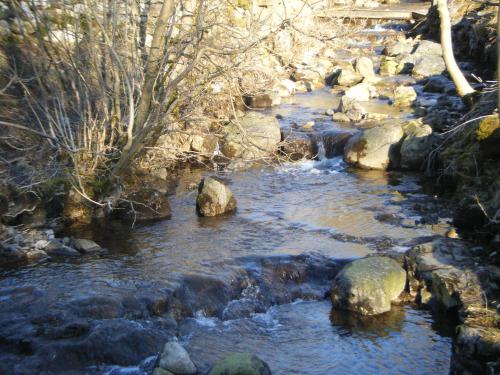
241 364
56 247
85 246
428 65
373 148
255 135
160 371
176 359
428 47
416 147
352 109
368 286
396 48
214 197
334 142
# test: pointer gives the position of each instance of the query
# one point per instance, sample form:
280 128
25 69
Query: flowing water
251 281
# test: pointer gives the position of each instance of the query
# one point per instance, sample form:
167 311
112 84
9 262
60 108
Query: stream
252 281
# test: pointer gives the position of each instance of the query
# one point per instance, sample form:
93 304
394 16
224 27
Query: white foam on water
334 165
202 320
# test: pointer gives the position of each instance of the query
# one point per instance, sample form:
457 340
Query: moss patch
486 127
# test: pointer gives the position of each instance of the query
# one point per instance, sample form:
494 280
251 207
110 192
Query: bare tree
463 87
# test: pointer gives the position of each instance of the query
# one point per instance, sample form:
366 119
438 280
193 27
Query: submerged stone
241 364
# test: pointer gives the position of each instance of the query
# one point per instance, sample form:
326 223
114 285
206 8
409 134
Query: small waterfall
321 149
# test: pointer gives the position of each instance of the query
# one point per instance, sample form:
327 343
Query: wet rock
58 248
404 96
97 307
214 198
349 77
352 109
364 66
35 255
374 148
144 205
368 286
176 359
298 146
241 364
340 117
334 142
242 308
416 147
85 246
10 254
264 100
255 136
160 371
361 92
439 84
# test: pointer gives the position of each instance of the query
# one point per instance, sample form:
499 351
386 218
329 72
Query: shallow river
306 210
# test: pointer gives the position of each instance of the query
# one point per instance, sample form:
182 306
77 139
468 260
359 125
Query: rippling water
309 207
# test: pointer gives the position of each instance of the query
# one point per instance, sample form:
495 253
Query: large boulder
374 148
416 147
368 286
175 358
253 136
214 197
241 364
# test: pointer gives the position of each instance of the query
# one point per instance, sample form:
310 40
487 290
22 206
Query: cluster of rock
175 360
444 274
20 246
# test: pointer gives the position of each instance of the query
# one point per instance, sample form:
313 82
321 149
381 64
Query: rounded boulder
368 286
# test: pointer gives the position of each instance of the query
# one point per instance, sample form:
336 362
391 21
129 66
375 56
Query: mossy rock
241 364
486 127
368 286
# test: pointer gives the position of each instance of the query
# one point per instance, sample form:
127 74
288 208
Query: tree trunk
153 66
463 87
498 61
